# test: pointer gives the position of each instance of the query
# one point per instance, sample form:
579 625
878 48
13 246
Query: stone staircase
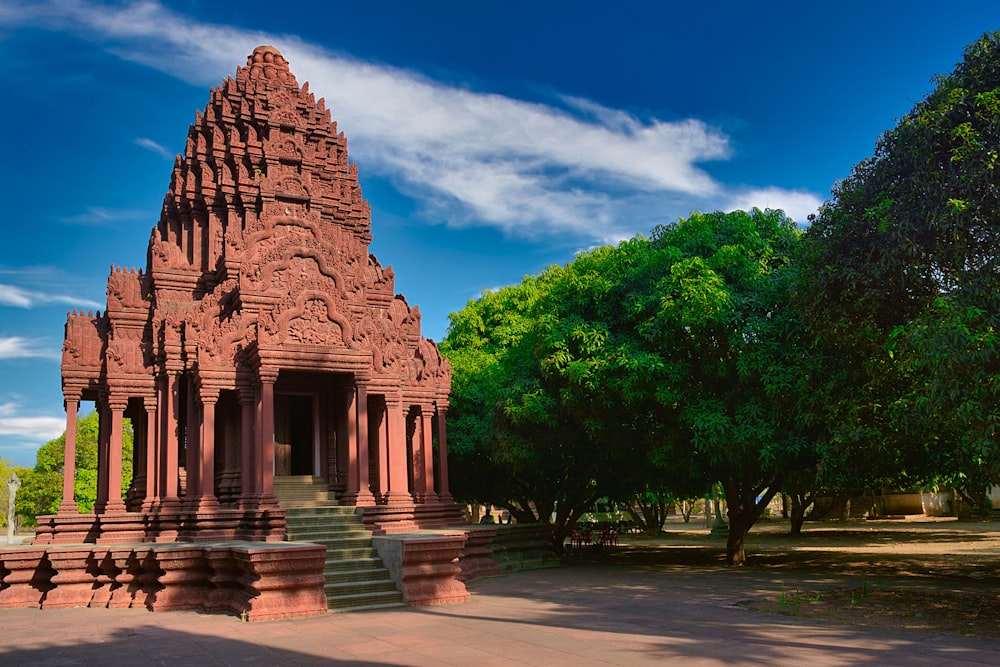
356 578
302 491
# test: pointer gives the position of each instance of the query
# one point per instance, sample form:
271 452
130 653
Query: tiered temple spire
262 339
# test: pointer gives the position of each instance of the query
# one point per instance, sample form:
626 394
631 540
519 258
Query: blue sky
493 138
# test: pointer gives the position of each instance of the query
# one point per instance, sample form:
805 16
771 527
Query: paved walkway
578 615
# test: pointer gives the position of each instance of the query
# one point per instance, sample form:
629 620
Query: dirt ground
933 575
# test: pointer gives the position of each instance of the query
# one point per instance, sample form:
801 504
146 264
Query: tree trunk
686 508
735 554
798 513
745 507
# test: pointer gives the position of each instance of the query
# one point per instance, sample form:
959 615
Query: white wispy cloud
38 429
154 147
15 296
12 295
100 216
18 347
469 158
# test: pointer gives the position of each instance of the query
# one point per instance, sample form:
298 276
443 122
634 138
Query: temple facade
261 341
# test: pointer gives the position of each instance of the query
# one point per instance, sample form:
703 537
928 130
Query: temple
262 341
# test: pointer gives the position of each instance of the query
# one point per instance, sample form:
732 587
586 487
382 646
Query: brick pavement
580 615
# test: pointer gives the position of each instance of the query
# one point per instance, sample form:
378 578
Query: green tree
657 364
718 314
513 442
41 490
901 277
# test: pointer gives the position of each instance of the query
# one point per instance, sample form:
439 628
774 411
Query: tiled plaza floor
578 616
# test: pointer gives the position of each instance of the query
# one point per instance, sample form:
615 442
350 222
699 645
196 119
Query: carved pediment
288 148
429 365
285 118
313 320
291 187
289 259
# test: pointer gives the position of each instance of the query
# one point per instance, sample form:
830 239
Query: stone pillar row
158 481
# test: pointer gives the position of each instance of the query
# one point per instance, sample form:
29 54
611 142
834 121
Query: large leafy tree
660 364
41 490
902 277
540 371
717 314
514 443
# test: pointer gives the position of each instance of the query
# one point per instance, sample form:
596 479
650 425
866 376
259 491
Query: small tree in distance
41 488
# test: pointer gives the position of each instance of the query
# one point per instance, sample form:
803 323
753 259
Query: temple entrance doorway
295 434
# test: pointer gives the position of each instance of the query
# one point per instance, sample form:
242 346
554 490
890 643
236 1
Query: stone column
68 504
103 453
422 440
168 443
365 496
381 487
205 500
152 462
399 492
266 453
229 485
351 492
112 482
248 476
358 489
140 467
337 442
444 495
193 443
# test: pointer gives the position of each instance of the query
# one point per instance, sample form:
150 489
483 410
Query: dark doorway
293 434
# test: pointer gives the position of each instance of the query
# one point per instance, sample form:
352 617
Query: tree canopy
660 362
902 286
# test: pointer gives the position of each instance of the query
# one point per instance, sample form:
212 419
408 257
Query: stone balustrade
424 566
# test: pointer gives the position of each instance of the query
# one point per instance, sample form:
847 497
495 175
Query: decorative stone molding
424 566
258 581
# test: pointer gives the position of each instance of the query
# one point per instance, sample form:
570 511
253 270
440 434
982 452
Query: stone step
337 565
355 577
302 491
327 523
323 519
366 607
298 480
340 544
322 513
342 548
352 576
326 535
351 554
346 588
379 600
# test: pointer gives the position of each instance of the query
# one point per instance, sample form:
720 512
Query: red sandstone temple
262 341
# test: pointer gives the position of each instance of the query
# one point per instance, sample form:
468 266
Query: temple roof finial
267 61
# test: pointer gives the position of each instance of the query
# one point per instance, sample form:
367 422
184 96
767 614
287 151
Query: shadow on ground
650 602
